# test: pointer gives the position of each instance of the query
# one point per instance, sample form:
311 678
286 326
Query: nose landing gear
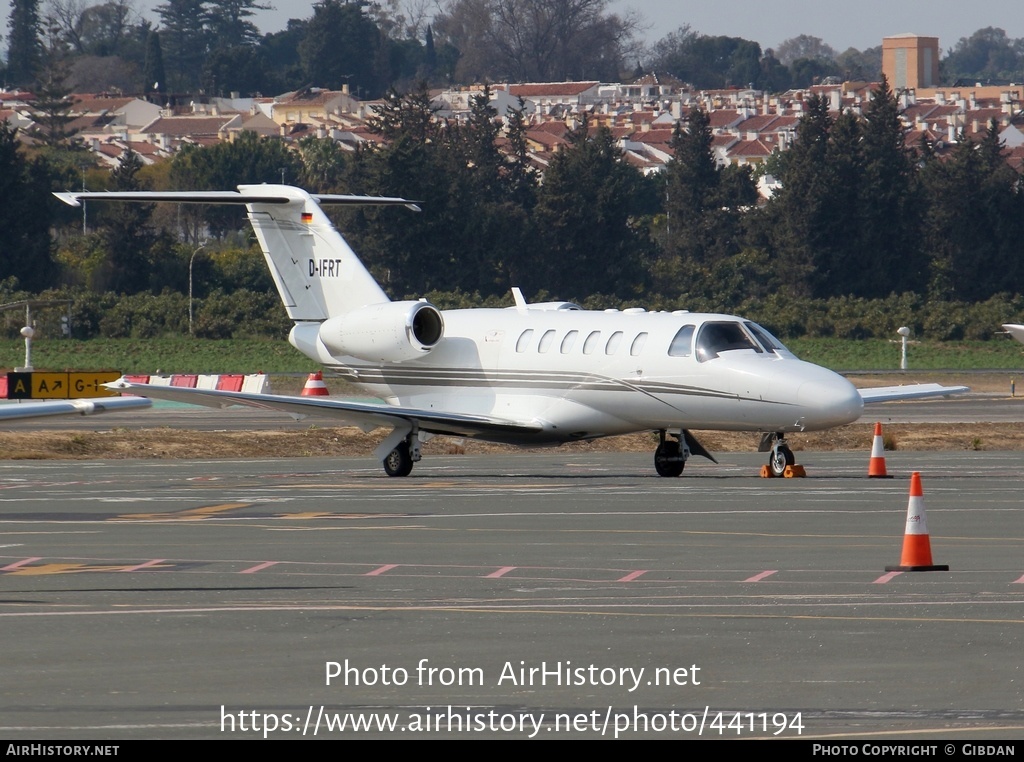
780 456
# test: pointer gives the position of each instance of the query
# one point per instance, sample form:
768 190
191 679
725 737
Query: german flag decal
307 217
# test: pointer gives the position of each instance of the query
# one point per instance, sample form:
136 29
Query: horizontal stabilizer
23 410
251 196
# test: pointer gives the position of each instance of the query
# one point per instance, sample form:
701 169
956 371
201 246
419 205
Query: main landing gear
400 460
780 455
674 449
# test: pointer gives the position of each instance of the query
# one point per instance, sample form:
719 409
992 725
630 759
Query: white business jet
529 374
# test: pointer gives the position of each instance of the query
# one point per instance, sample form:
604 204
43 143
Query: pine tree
153 77
53 102
587 243
797 216
184 40
23 42
230 25
24 216
890 202
703 206
126 235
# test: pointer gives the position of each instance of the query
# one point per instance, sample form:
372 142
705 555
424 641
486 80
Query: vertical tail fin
316 272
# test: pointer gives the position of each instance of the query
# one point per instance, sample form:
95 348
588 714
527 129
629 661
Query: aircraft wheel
399 461
667 459
780 457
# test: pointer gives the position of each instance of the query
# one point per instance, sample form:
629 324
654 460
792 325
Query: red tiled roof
751 149
541 89
308 98
86 103
546 139
652 136
187 126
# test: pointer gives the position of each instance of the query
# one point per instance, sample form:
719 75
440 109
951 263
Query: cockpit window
715 338
682 342
768 341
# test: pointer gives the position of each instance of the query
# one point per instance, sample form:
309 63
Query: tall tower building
909 61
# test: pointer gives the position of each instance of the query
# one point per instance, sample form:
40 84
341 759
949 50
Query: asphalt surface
509 597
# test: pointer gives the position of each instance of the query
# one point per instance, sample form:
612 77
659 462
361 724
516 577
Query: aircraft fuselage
585 374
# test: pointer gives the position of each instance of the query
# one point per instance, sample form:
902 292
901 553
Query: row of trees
214 46
857 215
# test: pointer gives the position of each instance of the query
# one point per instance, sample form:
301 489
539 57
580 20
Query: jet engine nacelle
388 332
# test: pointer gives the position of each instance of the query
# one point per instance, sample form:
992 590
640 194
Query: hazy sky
840 24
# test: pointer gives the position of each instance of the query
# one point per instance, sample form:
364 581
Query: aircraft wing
910 392
14 411
367 415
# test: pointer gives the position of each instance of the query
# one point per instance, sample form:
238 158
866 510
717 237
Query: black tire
399 461
667 460
779 459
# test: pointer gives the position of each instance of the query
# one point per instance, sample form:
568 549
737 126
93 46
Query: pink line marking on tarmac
1018 581
17 564
258 567
762 575
381 570
886 577
500 573
632 576
146 565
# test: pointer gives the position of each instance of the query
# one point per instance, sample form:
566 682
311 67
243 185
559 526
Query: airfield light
904 332
28 332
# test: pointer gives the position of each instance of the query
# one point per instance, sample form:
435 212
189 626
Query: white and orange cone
917 546
315 386
876 467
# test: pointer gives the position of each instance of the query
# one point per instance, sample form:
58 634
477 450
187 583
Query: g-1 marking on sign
59 386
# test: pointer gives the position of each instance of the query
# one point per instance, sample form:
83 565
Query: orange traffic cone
917 546
315 386
876 467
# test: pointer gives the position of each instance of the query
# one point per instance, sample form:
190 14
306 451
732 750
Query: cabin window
613 343
682 342
524 340
591 343
638 344
545 340
568 341
722 337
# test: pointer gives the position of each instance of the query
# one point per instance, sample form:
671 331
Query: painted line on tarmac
381 570
500 572
632 576
259 567
202 512
23 562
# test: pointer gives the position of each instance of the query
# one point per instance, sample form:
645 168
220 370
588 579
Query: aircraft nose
829 401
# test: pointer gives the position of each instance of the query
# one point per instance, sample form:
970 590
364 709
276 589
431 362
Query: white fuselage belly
586 374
